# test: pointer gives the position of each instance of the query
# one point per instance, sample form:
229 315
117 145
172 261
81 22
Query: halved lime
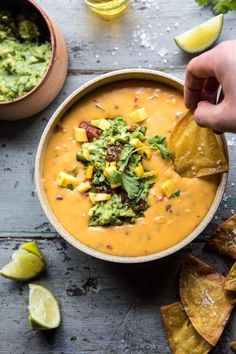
44 312
33 248
200 37
24 266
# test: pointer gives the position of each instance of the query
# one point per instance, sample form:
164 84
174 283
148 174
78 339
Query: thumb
210 115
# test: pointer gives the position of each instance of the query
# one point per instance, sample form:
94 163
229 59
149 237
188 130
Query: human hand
204 75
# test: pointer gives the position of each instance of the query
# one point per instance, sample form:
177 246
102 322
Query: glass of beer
108 8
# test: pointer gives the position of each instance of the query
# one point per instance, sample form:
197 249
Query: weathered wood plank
96 44
20 212
110 308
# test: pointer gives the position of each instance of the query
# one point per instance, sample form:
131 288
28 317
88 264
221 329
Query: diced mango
136 143
139 171
112 163
138 115
151 174
99 197
168 188
113 186
80 135
146 152
102 124
89 172
109 170
84 187
83 155
64 180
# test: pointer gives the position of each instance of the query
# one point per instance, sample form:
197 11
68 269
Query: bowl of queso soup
123 172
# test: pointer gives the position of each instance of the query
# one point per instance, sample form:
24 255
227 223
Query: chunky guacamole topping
24 58
116 180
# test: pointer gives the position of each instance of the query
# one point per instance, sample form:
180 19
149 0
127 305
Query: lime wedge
33 248
200 37
44 312
24 266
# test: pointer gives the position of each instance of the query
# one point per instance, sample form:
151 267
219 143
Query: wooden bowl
48 88
115 76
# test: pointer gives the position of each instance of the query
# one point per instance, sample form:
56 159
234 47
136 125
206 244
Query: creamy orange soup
167 221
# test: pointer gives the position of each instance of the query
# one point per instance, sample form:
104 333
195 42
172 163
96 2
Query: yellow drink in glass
108 8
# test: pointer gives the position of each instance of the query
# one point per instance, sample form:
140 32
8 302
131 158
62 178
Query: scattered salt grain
232 211
168 29
231 141
176 25
162 52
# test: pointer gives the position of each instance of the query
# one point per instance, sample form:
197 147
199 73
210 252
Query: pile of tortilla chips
195 150
195 324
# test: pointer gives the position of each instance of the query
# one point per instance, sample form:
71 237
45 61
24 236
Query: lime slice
44 312
200 37
24 266
33 248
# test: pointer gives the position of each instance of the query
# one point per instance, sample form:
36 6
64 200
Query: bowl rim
53 42
83 90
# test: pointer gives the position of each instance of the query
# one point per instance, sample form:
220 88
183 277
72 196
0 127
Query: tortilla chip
204 299
233 345
230 280
195 150
223 240
182 336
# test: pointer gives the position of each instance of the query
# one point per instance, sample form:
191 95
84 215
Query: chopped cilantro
219 6
130 184
125 156
176 194
114 161
70 186
159 143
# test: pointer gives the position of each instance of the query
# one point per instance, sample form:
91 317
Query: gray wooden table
110 308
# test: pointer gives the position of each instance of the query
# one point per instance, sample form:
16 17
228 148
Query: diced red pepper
92 132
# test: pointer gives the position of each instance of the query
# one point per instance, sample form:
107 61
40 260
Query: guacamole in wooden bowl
24 53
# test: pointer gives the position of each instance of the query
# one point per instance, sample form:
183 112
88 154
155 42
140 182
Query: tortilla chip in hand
195 150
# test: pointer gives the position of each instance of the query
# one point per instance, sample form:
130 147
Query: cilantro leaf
115 178
159 143
139 133
176 194
203 2
125 156
219 6
130 184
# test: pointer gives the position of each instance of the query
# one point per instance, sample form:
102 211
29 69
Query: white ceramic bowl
115 76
